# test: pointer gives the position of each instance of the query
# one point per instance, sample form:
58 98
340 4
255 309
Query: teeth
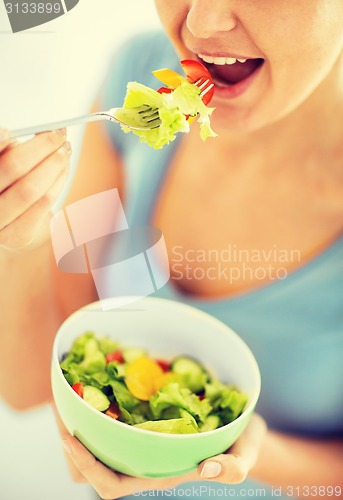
220 60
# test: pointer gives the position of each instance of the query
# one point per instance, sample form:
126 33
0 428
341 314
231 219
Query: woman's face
292 48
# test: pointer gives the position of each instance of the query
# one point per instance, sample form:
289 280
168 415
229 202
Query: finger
110 484
18 198
233 467
21 233
248 447
17 161
4 139
106 482
74 472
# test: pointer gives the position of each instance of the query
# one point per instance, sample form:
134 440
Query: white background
48 73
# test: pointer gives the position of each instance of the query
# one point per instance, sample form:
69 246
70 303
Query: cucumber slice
211 423
96 398
184 364
192 373
132 353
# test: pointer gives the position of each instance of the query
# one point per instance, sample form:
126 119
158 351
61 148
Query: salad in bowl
159 387
179 396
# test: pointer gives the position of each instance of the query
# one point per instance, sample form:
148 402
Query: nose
208 17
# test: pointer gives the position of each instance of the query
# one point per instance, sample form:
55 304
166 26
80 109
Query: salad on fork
177 105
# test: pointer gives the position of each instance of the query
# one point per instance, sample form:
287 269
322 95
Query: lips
229 70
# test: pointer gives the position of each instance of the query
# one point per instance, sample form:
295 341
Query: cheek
301 48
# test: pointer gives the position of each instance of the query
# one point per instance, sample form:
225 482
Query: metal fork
139 118
205 87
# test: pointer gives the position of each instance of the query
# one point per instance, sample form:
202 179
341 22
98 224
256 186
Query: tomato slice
165 90
165 365
78 388
115 356
195 71
113 411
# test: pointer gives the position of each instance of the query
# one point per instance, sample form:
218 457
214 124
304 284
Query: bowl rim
95 305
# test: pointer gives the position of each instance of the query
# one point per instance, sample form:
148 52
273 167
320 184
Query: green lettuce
172 108
141 413
123 396
107 345
84 358
172 426
174 395
227 402
116 370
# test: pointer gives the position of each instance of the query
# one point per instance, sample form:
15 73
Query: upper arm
99 169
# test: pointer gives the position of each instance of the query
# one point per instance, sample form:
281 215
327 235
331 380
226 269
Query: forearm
292 462
33 305
35 297
28 321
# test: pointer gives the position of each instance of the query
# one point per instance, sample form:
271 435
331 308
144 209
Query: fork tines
204 87
149 114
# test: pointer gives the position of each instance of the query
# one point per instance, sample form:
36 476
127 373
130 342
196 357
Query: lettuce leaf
172 426
85 357
174 395
116 370
123 396
184 100
228 403
107 345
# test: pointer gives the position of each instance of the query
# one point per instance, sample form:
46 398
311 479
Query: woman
270 185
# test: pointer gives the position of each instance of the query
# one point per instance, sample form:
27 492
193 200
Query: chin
237 121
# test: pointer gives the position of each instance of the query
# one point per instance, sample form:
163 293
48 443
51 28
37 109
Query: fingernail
4 135
210 470
62 131
67 146
66 447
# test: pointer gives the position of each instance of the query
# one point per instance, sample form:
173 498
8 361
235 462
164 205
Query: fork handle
48 127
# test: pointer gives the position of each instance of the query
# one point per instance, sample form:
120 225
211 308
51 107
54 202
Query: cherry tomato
165 365
115 356
78 388
113 411
143 378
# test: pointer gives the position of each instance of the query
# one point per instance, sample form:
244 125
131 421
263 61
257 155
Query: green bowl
166 328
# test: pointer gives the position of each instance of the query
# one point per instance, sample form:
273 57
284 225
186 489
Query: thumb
4 138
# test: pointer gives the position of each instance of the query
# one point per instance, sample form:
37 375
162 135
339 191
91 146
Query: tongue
234 73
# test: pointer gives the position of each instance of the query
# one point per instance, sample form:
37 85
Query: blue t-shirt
294 326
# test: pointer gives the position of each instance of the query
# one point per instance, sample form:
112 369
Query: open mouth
228 71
